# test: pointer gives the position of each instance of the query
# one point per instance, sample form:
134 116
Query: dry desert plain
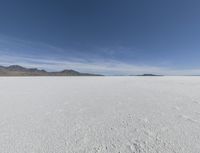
100 114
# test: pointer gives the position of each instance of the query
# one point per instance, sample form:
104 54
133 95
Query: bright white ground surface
100 115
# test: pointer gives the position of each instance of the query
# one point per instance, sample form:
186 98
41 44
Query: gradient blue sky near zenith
102 36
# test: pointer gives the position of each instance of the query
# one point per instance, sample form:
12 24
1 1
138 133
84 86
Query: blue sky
102 36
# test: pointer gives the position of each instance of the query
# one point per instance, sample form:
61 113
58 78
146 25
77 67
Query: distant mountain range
16 70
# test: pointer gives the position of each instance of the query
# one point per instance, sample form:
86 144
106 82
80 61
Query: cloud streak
51 58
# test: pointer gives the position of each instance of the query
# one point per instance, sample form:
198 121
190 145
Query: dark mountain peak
15 68
36 70
70 71
20 68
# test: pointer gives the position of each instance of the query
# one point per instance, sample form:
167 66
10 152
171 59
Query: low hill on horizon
150 75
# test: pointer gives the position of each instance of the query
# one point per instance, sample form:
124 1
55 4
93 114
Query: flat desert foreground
100 114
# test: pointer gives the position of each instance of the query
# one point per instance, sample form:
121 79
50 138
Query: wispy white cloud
94 65
12 45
